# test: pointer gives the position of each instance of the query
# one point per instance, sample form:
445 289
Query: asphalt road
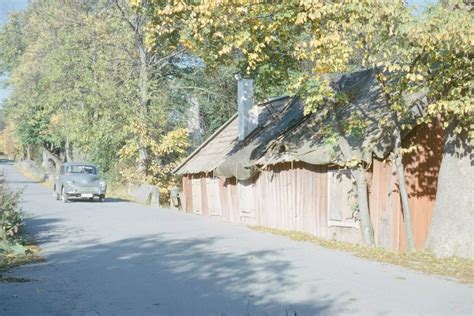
120 258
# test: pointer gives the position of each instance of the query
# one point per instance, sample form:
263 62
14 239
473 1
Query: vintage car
79 180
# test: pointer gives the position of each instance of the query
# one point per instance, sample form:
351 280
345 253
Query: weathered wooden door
196 191
213 197
246 201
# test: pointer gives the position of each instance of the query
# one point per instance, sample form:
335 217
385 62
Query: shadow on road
186 276
24 182
115 200
4 161
95 200
43 230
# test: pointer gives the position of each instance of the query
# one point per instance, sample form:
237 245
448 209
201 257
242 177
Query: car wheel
56 195
91 199
64 196
102 198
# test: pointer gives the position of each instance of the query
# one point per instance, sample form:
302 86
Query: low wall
35 170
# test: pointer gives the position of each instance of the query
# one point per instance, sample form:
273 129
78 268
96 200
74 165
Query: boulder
145 193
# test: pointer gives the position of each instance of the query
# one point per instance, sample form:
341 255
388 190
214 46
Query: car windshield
81 169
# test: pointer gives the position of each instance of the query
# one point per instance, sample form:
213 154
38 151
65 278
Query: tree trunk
67 149
144 99
94 73
360 176
453 215
400 170
28 152
49 155
397 145
138 24
194 121
366 229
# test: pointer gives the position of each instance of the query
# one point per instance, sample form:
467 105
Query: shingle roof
208 155
288 135
239 162
220 145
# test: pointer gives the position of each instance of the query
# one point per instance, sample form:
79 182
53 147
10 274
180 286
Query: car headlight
70 183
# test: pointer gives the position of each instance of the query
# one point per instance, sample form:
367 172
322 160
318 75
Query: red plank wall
294 196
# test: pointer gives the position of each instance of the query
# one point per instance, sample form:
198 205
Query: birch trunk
142 151
194 121
68 150
67 146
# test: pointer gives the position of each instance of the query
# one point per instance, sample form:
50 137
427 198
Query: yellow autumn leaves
292 43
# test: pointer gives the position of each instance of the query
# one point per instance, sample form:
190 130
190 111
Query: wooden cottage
271 165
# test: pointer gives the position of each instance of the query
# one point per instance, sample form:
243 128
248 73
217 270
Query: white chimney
248 114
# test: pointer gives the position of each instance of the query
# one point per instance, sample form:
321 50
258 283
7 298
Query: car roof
78 163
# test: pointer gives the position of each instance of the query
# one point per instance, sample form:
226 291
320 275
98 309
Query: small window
341 199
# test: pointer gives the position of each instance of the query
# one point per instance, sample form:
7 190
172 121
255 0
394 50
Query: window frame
349 223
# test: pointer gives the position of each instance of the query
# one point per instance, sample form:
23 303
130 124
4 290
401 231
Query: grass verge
118 191
458 268
12 259
16 248
30 175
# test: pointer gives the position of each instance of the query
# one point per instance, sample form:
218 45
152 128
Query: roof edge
207 141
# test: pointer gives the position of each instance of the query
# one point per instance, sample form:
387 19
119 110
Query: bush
11 218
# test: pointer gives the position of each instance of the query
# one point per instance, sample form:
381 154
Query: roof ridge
207 141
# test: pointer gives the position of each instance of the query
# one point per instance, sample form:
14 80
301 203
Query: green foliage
12 248
214 91
9 142
289 46
13 42
113 79
78 81
294 46
427 54
445 37
11 218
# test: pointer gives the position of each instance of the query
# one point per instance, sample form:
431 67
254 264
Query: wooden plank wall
187 194
421 174
294 196
289 196
422 169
